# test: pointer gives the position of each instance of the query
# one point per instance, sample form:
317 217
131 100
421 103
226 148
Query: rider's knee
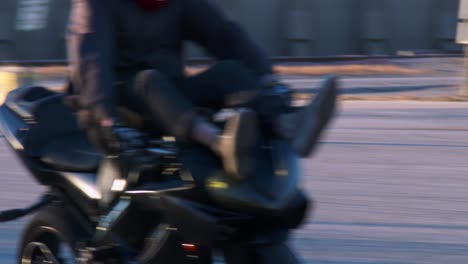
148 79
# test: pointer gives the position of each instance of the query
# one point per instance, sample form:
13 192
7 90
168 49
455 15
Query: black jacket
109 38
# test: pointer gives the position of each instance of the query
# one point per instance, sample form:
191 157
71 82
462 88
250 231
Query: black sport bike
174 205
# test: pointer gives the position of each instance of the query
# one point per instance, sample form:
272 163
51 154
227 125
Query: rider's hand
119 139
109 134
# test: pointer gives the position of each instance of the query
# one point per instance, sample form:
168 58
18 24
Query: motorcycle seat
71 153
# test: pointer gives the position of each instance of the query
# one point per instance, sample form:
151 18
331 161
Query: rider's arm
205 24
90 48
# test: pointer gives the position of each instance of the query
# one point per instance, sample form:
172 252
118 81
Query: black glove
120 139
111 136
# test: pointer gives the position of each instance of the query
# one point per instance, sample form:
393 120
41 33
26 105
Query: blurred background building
35 29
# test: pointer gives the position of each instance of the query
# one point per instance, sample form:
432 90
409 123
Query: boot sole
243 130
315 117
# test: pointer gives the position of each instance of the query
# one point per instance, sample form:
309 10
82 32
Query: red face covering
152 5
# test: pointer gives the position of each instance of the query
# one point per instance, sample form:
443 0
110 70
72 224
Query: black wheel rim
48 248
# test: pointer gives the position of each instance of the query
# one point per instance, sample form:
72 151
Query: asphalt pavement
390 181
365 87
391 185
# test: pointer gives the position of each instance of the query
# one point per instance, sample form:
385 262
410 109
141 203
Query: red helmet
152 5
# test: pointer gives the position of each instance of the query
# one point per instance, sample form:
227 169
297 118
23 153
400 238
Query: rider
129 52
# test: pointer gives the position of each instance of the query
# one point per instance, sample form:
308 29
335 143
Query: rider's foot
305 126
236 144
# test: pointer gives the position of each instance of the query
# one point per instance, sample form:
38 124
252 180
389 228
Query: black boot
236 144
305 126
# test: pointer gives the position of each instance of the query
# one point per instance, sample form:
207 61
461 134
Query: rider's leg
226 84
176 113
230 83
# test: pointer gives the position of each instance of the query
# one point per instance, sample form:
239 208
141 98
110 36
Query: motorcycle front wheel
50 237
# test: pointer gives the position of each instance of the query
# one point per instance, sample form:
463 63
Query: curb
275 59
449 98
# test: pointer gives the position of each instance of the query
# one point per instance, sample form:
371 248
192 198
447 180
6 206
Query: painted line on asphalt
403 129
402 225
378 89
394 144
378 79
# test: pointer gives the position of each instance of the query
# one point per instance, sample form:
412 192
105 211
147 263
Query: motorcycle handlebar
160 151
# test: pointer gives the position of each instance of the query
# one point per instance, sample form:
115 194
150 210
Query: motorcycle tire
50 237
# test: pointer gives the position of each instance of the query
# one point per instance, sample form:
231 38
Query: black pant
172 104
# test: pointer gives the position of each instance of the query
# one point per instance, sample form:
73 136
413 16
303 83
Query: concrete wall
462 30
6 28
282 27
33 29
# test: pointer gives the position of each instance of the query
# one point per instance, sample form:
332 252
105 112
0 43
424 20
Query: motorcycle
175 205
